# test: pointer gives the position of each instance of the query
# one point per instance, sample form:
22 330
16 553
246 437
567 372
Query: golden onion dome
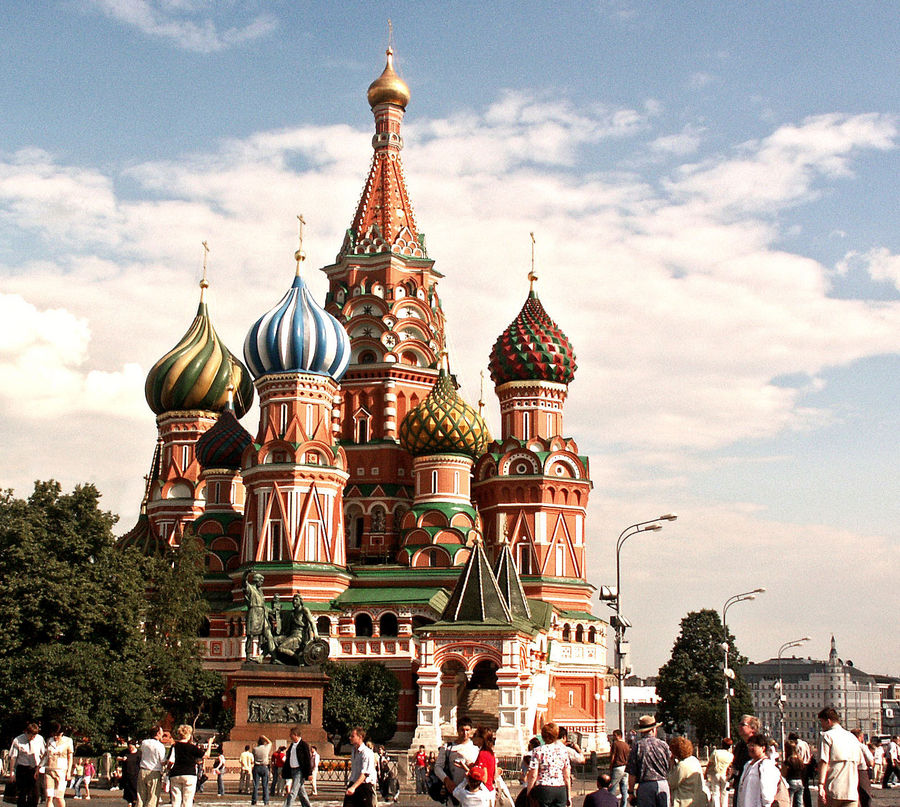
388 88
444 424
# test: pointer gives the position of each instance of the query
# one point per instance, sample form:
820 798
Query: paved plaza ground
332 796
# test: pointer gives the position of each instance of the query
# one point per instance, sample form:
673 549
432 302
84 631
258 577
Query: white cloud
879 263
185 23
685 142
43 372
783 168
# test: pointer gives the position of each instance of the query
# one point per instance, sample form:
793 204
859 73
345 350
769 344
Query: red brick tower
532 486
383 288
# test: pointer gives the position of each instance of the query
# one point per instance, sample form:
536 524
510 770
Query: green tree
80 640
691 685
364 694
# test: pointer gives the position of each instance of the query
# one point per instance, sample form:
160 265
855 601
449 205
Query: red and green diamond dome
532 348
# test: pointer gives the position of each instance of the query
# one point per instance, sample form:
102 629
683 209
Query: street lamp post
781 696
613 598
726 670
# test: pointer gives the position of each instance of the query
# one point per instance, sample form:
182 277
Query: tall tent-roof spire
510 585
477 597
384 220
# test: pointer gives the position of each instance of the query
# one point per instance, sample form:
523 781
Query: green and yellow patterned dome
196 373
444 424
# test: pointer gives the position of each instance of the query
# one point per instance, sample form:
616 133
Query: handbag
434 785
504 797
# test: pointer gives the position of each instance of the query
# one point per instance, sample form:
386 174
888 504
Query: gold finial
300 255
445 360
230 392
532 275
390 47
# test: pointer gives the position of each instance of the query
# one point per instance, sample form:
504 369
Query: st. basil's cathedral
376 492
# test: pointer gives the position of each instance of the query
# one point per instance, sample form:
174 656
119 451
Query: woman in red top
484 740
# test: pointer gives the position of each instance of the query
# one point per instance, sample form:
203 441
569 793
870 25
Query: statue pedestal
269 699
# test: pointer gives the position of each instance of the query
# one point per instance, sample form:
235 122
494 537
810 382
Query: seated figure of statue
301 631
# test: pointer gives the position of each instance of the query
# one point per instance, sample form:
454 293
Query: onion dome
388 88
197 372
532 348
144 539
297 335
222 445
444 424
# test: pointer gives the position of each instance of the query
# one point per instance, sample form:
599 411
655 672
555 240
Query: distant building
640 699
810 685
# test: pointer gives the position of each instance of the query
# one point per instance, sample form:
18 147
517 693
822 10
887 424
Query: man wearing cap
472 792
648 767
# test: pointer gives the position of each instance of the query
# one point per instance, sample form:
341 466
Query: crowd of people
754 769
645 772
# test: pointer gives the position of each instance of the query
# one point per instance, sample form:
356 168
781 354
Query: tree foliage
80 639
364 694
691 685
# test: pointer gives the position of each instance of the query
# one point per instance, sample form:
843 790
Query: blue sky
713 189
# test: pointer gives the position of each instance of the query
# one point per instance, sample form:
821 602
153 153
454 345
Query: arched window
387 625
579 633
323 626
363 623
592 635
367 357
566 633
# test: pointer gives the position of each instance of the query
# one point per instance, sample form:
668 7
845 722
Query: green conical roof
477 597
510 585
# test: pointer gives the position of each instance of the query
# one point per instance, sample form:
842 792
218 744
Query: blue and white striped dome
297 335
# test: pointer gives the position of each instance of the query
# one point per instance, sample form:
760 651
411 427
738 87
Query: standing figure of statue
258 626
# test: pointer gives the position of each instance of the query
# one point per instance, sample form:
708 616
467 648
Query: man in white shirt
297 769
363 772
447 766
25 755
839 760
153 760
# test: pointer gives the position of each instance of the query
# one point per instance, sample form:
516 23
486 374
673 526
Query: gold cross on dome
532 275
204 283
300 255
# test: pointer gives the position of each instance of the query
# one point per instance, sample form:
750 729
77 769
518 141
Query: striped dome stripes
297 335
196 373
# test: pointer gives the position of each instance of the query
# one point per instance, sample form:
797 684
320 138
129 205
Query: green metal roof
435 598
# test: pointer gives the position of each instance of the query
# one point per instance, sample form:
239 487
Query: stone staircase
482 707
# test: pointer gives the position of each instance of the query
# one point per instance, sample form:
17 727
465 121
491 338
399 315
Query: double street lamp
782 698
726 670
613 598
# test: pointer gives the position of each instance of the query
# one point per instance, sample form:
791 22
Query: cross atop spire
204 283
532 275
300 255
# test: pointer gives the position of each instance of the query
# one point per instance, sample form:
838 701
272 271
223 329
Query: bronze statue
258 626
291 639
